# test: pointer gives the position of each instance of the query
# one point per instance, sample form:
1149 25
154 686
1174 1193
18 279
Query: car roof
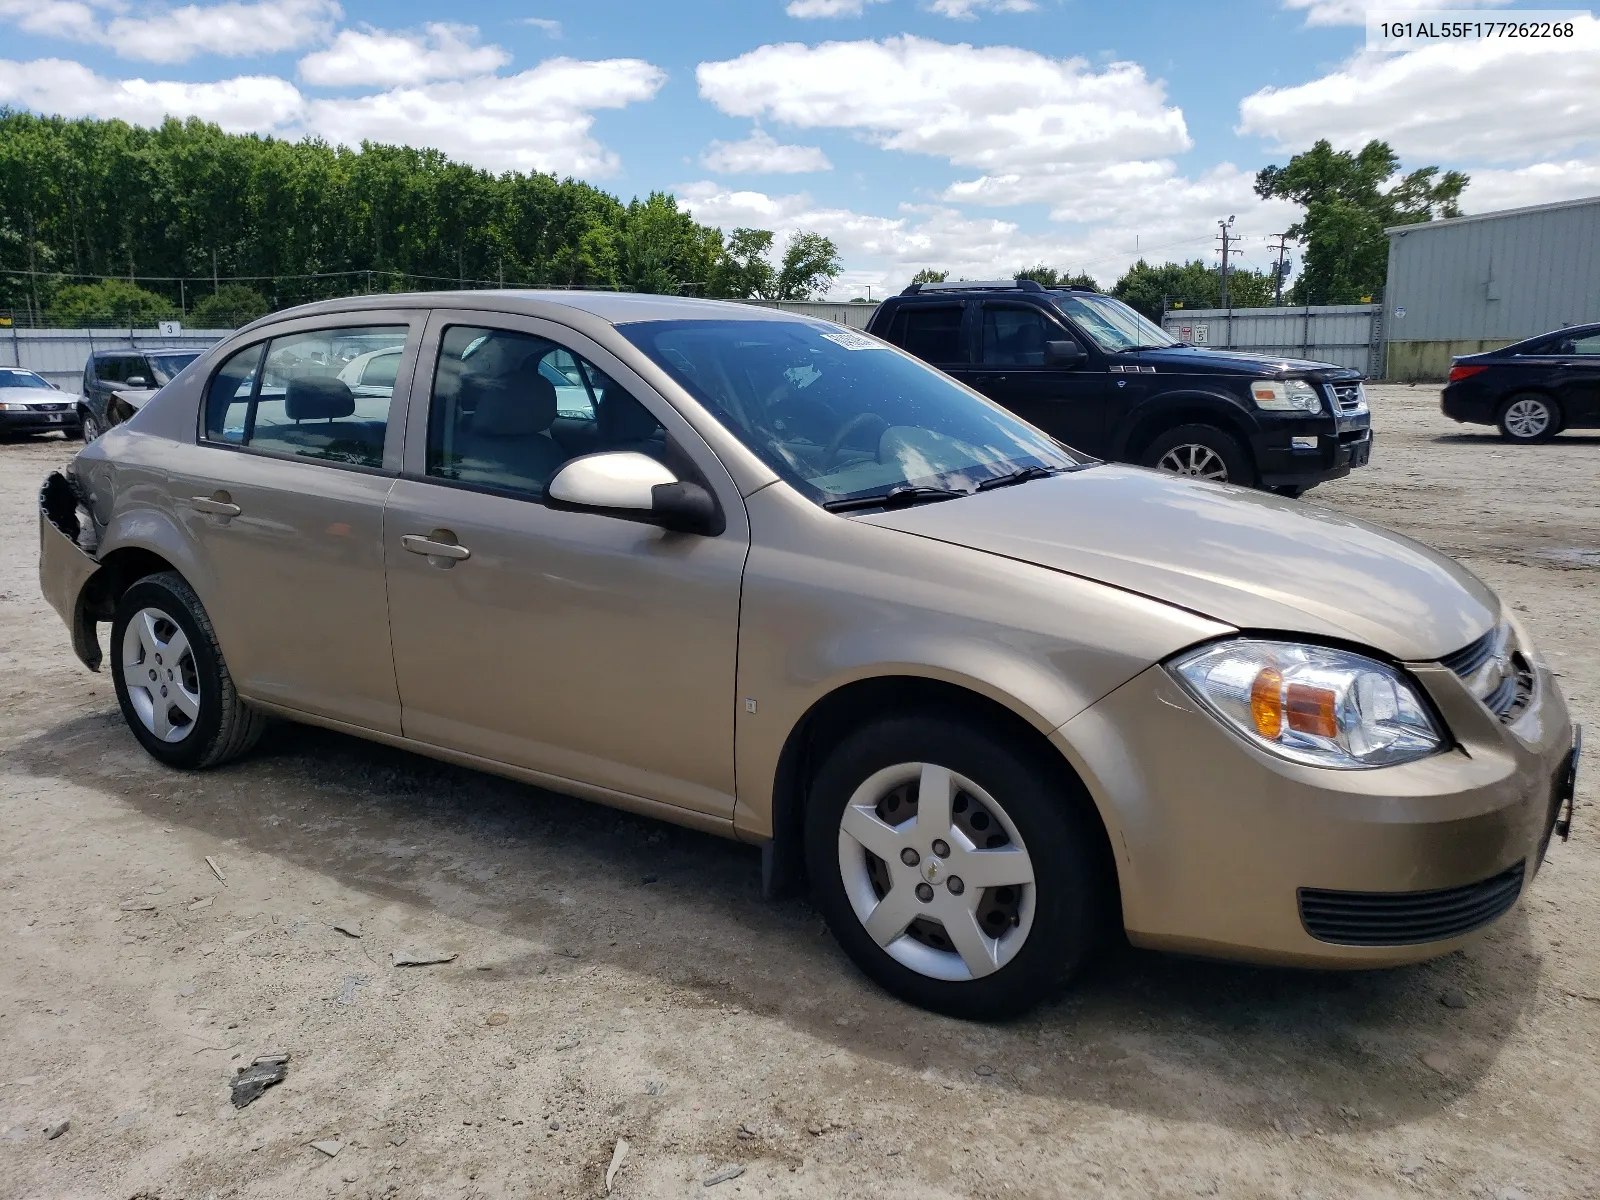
616 308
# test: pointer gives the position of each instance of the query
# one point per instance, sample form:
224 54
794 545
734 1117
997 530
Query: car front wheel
89 425
1201 452
1529 417
956 869
172 684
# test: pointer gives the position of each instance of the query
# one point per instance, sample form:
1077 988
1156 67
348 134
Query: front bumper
1219 843
1311 450
33 421
65 570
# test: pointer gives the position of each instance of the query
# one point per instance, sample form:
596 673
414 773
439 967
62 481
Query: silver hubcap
1202 462
159 670
1527 418
936 872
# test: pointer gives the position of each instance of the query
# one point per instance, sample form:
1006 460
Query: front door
283 496
1579 376
1067 403
581 646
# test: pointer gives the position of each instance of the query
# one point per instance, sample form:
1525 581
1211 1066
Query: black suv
1092 372
116 383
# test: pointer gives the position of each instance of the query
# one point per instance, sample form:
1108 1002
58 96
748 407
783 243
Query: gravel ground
617 978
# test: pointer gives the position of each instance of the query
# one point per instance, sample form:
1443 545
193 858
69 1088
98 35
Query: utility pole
213 272
1277 287
1227 240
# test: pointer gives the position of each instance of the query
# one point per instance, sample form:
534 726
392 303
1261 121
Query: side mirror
138 381
634 487
1065 353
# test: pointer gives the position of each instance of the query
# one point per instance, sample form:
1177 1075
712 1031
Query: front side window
509 408
288 396
1014 336
1588 346
165 367
1111 324
839 415
11 378
114 370
930 331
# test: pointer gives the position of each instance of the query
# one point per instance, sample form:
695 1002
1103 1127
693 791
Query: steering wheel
859 421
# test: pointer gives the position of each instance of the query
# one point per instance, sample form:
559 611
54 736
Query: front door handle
419 544
218 505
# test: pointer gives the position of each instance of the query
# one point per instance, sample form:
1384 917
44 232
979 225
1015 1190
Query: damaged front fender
67 572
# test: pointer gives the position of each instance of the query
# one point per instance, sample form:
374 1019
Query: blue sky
975 135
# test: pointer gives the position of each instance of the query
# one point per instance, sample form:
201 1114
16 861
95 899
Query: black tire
224 727
1235 458
1054 818
89 426
1528 418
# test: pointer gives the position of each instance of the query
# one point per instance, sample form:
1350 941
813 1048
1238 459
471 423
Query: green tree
1347 208
109 302
1051 278
232 305
1192 285
744 271
929 275
810 264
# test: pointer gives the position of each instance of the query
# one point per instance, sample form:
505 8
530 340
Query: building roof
1489 216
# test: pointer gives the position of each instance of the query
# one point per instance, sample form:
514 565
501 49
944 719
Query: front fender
1177 408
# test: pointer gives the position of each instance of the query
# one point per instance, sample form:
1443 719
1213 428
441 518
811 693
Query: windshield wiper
896 497
1025 475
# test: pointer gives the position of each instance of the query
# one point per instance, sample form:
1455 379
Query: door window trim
415 322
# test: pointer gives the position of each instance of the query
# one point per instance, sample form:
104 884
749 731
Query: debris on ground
722 1176
56 1129
1453 998
347 994
497 1018
617 1156
329 1146
137 906
216 870
251 1081
422 958
1442 1063
398 1139
203 903
348 928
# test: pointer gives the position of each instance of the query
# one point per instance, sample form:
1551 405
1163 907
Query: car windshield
840 415
12 378
1112 324
167 366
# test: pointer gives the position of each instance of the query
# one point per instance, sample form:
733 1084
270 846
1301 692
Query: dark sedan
1532 390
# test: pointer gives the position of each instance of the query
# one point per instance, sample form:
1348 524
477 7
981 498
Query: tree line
102 218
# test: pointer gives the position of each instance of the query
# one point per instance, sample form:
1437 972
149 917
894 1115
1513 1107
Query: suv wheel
951 868
1201 452
173 687
90 425
1529 417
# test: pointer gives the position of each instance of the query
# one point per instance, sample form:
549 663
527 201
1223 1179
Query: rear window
930 331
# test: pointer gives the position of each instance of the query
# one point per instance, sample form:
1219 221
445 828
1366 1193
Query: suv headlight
1286 395
1312 704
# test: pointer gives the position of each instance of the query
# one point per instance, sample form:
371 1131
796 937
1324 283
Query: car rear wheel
954 868
1200 452
1529 417
172 684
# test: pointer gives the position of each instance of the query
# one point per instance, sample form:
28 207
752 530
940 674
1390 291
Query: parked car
116 384
784 583
1532 390
1091 371
30 403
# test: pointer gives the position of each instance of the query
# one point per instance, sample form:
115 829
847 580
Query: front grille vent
1407 918
1348 397
1496 672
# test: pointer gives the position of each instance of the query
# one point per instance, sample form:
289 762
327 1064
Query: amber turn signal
1266 702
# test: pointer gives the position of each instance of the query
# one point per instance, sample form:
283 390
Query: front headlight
1286 395
1311 704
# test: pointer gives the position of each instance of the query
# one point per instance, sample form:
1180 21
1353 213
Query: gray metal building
1466 284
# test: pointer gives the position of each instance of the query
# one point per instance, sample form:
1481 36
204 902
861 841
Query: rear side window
309 395
930 331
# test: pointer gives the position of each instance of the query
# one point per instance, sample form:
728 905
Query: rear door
935 332
1069 404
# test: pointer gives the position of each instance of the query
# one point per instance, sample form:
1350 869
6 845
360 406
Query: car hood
21 395
1249 559
1199 360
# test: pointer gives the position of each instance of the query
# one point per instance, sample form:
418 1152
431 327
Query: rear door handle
419 544
216 505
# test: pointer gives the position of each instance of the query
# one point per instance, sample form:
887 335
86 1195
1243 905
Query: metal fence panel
60 354
1347 335
855 316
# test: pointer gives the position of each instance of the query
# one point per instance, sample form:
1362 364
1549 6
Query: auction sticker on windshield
851 340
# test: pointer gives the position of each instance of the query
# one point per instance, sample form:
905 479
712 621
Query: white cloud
386 58
1354 12
544 24
806 9
538 120
245 104
1490 100
968 10
761 153
996 108
1541 183
233 30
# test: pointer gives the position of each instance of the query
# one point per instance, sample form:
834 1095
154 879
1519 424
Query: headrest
317 398
622 418
515 406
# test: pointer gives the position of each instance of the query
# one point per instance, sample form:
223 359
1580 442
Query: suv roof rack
976 285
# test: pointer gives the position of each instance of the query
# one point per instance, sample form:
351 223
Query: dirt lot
620 978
